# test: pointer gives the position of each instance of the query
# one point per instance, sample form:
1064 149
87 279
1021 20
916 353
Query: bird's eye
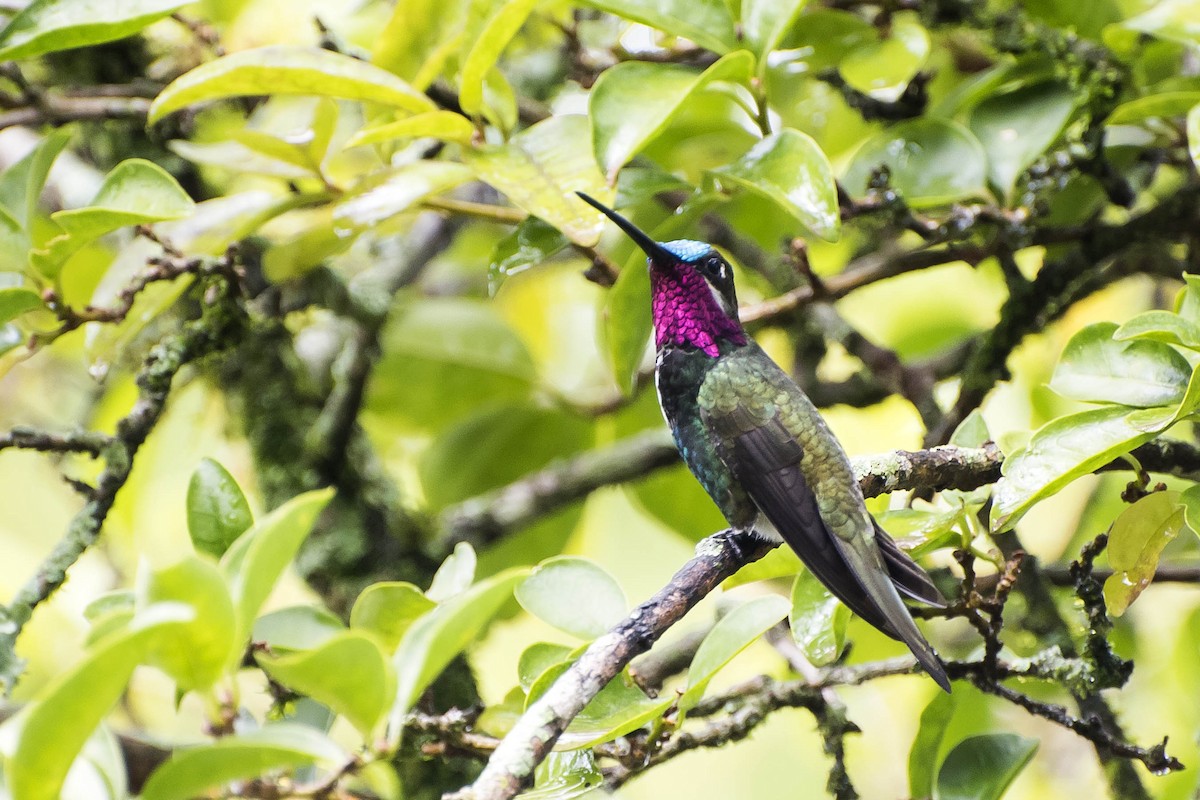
716 266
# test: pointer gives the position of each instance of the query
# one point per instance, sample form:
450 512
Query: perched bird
760 448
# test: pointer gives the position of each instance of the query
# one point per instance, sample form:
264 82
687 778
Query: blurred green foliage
983 204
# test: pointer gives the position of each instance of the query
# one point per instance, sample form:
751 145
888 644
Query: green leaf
790 169
45 26
1193 135
436 638
254 562
1096 368
420 36
240 157
16 300
922 758
708 23
387 193
540 170
764 23
1017 127
531 243
882 68
930 162
1063 450
348 673
217 511
446 125
485 51
495 446
782 562
64 713
454 575
619 708
563 776
982 767
574 595
1161 104
537 659
732 634
1170 20
1135 542
22 183
1161 326
284 69
194 771
634 101
135 192
196 653
445 357
387 610
818 620
296 628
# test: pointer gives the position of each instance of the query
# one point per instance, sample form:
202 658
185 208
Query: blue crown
688 250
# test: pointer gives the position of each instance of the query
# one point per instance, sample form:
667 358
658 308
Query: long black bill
655 251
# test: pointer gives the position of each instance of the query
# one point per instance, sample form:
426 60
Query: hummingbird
760 448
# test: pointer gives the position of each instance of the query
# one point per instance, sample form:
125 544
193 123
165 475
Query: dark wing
766 460
912 581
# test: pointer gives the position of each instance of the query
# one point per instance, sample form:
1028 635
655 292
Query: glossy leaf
296 628
1017 127
982 767
419 38
238 156
1135 542
446 125
455 574
789 168
818 620
563 776
923 756
1063 450
256 560
217 511
883 68
574 595
619 708
64 713
436 638
708 23
194 771
1161 326
135 192
1160 104
1096 368
929 161
348 673
16 300
486 48
732 634
195 653
531 243
634 101
287 70
764 23
629 324
537 659
386 194
387 609
46 26
1170 20
541 169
